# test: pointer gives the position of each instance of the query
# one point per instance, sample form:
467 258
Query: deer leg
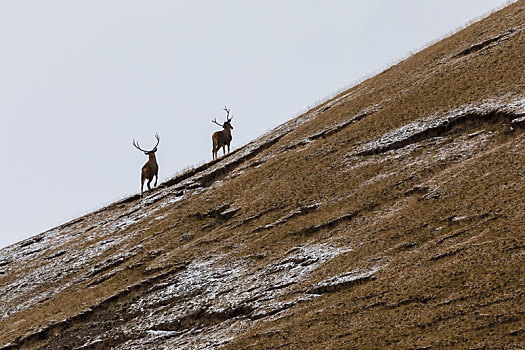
223 151
156 178
149 182
228 148
214 146
214 150
141 185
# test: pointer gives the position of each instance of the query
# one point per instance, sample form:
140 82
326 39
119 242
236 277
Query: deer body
222 138
150 170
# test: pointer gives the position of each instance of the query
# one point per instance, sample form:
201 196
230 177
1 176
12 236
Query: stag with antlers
151 168
224 137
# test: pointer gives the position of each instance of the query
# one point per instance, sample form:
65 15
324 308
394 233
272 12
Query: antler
158 140
215 121
227 114
136 144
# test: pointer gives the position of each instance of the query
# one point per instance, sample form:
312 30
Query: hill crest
394 208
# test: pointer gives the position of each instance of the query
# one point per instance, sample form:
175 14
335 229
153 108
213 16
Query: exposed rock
187 237
417 190
446 254
518 123
327 225
213 212
406 245
228 214
343 281
488 43
436 125
331 130
296 213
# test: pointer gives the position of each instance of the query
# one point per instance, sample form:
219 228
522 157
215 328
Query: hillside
391 216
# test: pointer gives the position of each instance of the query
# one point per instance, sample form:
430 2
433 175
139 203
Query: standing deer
151 168
224 137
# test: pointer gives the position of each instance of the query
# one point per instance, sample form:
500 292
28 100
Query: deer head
227 124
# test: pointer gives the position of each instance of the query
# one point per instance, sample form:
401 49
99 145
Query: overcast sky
80 79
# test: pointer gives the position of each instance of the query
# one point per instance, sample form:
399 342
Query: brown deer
224 137
151 168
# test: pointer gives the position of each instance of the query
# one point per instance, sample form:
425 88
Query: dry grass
442 218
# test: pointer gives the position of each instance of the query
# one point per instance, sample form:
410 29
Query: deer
151 168
224 137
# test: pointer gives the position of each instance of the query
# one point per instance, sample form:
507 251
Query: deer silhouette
151 168
224 137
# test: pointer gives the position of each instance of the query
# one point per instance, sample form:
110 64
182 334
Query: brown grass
444 223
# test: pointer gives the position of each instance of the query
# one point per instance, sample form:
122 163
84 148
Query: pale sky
80 79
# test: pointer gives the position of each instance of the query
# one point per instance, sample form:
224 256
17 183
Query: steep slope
388 217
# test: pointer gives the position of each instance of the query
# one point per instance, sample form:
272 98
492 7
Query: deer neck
152 158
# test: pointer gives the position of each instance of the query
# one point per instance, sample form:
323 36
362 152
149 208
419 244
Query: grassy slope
451 264
476 294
